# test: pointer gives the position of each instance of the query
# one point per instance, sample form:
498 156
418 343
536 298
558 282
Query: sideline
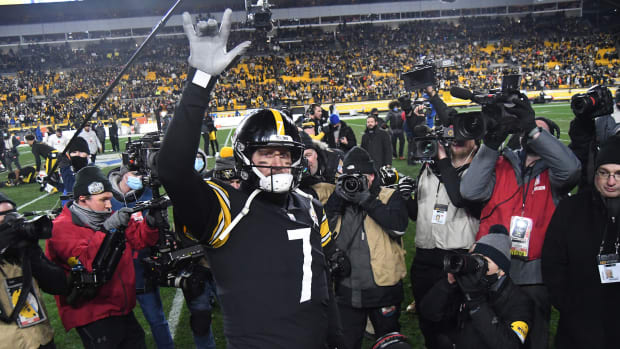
175 312
32 201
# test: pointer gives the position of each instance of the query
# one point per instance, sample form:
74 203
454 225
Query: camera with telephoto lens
353 183
427 141
176 268
28 232
597 101
464 264
495 111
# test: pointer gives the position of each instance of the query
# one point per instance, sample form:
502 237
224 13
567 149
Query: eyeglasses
605 175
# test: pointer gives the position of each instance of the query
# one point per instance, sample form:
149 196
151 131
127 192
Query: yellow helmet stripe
279 122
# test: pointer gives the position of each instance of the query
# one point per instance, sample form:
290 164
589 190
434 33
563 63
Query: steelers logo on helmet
268 128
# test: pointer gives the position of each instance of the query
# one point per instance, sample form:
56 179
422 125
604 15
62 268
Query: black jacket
345 131
488 324
588 309
395 121
38 150
378 144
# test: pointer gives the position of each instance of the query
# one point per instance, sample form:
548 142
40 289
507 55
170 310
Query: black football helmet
264 128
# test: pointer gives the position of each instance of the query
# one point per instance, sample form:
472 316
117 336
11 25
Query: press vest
10 334
460 228
539 204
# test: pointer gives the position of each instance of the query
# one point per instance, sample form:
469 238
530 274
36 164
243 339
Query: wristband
201 78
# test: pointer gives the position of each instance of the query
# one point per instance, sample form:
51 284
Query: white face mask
278 183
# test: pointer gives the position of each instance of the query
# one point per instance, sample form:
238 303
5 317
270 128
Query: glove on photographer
208 53
523 110
119 219
406 186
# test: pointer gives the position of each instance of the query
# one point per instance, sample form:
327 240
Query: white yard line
175 313
32 201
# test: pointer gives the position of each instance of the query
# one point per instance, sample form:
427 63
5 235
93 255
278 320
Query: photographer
580 256
446 223
522 188
323 165
25 270
376 142
489 309
370 221
127 190
279 297
590 128
83 226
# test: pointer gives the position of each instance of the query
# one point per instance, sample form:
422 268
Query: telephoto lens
463 263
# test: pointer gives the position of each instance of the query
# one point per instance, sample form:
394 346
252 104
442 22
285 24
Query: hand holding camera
406 187
208 53
353 188
524 112
118 220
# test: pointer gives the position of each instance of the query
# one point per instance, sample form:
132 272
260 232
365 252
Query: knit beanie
4 198
496 245
90 181
78 144
609 152
334 119
225 159
358 160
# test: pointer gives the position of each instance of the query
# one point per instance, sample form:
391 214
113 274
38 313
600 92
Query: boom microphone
461 93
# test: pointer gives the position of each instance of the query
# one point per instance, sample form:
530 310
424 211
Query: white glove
208 53
41 177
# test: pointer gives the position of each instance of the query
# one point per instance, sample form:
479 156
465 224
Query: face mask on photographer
134 183
78 162
199 164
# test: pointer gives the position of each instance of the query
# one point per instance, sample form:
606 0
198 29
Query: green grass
560 113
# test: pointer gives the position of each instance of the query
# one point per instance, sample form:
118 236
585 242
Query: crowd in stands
350 63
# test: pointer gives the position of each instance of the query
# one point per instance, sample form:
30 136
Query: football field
29 198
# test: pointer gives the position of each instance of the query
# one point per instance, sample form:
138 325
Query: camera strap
25 291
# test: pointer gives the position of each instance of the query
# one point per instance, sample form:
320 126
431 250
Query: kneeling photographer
370 223
478 297
26 272
87 236
597 117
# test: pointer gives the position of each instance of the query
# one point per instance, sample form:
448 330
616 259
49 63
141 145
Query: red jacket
117 296
507 201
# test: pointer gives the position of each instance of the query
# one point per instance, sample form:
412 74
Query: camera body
427 142
339 264
259 16
28 231
175 268
495 110
460 264
353 183
141 156
597 101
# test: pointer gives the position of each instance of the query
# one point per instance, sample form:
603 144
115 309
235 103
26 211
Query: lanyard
616 244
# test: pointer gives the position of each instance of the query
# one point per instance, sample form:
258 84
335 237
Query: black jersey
270 270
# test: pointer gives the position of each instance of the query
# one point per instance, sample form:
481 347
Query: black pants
115 146
215 146
426 271
384 320
398 136
113 332
205 139
538 335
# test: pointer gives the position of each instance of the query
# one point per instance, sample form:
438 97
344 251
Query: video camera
259 16
141 156
597 101
495 111
427 141
460 264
